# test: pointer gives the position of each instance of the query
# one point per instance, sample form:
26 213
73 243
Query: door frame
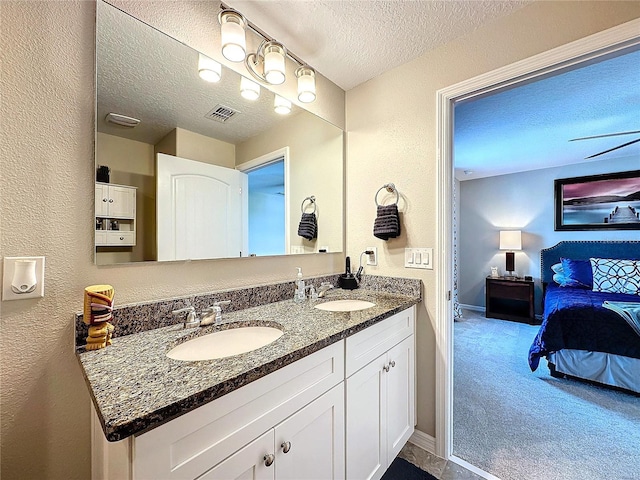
266 159
575 53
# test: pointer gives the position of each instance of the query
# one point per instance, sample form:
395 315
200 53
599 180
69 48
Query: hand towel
308 227
387 222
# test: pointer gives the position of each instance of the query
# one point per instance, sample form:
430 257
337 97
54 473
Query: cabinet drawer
121 238
101 237
367 345
509 290
189 445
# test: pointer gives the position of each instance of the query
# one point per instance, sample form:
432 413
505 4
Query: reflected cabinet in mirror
190 169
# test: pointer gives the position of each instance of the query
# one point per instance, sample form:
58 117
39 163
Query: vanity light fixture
249 89
281 105
208 69
122 120
268 64
232 35
306 84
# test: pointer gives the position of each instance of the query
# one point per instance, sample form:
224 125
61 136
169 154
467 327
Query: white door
400 397
122 202
201 210
247 463
310 443
366 423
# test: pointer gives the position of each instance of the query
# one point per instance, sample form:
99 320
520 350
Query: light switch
418 258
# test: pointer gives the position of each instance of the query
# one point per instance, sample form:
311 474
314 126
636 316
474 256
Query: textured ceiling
529 127
352 41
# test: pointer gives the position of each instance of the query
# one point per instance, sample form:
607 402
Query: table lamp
510 240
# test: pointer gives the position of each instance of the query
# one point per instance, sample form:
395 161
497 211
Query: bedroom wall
519 201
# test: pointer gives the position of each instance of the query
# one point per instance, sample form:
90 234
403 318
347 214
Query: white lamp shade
510 240
209 69
281 105
249 89
306 84
232 36
274 66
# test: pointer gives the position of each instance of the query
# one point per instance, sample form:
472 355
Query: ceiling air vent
221 113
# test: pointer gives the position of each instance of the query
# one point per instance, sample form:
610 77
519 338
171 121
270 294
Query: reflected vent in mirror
221 113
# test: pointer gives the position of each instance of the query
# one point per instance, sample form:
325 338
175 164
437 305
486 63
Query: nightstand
510 298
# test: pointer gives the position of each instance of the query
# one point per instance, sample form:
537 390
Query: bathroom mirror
145 74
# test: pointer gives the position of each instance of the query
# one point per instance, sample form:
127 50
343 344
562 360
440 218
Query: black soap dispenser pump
347 280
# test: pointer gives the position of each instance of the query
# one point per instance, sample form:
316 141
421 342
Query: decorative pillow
557 268
577 272
560 279
616 276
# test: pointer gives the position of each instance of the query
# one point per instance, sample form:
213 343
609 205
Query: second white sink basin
345 305
225 343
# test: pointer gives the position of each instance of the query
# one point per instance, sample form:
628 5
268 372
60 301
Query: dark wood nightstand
510 298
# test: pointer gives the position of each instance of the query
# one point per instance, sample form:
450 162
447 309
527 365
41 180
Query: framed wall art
598 202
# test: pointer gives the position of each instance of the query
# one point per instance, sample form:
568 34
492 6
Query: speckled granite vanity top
136 387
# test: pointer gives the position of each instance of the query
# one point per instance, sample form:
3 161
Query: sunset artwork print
598 202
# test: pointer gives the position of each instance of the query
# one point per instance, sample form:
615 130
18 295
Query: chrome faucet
213 314
322 289
192 319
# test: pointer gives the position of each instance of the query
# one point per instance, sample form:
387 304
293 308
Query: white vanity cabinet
380 394
115 203
302 404
342 412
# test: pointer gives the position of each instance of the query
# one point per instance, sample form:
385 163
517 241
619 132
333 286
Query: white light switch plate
7 277
418 258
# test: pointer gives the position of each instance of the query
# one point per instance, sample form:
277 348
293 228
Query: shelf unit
115 211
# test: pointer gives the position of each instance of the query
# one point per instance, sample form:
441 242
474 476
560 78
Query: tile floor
436 466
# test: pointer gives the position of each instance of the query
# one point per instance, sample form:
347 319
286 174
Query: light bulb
274 65
232 35
306 84
209 69
281 105
249 89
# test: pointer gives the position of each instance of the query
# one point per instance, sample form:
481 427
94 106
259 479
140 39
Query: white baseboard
473 468
475 308
424 441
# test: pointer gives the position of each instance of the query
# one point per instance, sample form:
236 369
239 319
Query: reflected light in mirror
208 69
281 105
249 89
232 34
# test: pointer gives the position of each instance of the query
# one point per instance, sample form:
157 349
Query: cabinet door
247 463
102 200
366 429
400 396
122 202
310 443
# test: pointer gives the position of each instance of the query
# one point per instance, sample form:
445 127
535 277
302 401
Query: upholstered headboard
583 250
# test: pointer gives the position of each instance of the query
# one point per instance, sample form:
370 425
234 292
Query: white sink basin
345 305
225 343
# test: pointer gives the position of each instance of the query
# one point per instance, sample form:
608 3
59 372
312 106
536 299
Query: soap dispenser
300 294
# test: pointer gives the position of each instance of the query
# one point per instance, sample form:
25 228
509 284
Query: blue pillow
577 273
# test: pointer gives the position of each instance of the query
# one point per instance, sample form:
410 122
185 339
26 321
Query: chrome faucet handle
217 308
322 289
192 319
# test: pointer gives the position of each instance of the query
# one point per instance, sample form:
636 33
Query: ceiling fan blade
614 148
605 135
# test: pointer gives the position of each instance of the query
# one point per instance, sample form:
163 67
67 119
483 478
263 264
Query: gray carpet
519 425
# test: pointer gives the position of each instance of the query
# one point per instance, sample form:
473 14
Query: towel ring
311 199
391 188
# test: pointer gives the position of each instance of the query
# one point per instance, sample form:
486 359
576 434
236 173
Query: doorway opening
577 53
268 220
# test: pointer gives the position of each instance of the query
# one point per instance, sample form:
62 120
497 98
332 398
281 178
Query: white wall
520 201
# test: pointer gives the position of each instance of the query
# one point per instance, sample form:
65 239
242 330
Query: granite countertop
136 387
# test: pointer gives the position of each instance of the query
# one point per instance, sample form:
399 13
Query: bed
579 336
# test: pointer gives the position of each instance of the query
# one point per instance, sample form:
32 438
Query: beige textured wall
204 149
47 185
391 137
316 168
